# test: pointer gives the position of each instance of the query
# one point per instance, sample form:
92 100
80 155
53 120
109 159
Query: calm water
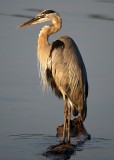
28 118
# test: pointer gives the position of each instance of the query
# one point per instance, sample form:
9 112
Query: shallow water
32 146
28 118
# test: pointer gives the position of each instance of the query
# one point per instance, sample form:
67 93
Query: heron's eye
41 16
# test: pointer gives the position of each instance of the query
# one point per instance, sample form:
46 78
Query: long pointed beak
31 21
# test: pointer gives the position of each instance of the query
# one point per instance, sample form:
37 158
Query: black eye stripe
48 11
44 13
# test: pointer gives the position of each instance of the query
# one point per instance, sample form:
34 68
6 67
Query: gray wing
66 70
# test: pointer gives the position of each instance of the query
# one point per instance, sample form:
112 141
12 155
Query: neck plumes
43 49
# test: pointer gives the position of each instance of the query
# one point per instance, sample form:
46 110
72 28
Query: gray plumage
62 67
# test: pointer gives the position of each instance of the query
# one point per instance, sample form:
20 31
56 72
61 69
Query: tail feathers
84 112
74 111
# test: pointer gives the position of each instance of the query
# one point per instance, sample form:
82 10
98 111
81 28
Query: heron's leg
65 119
69 116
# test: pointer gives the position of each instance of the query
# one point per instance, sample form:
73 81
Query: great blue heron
62 67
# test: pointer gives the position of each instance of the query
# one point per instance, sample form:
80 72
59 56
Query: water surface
28 118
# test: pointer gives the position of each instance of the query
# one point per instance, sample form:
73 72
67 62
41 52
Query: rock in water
60 151
77 130
64 151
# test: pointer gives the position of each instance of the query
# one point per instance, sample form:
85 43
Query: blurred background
28 117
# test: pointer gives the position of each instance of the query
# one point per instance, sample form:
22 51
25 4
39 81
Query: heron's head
46 15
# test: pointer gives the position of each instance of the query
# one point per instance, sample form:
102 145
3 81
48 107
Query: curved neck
43 50
46 31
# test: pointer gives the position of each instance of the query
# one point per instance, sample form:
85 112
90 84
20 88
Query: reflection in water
38 144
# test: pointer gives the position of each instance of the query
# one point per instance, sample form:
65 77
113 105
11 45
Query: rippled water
28 118
32 146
